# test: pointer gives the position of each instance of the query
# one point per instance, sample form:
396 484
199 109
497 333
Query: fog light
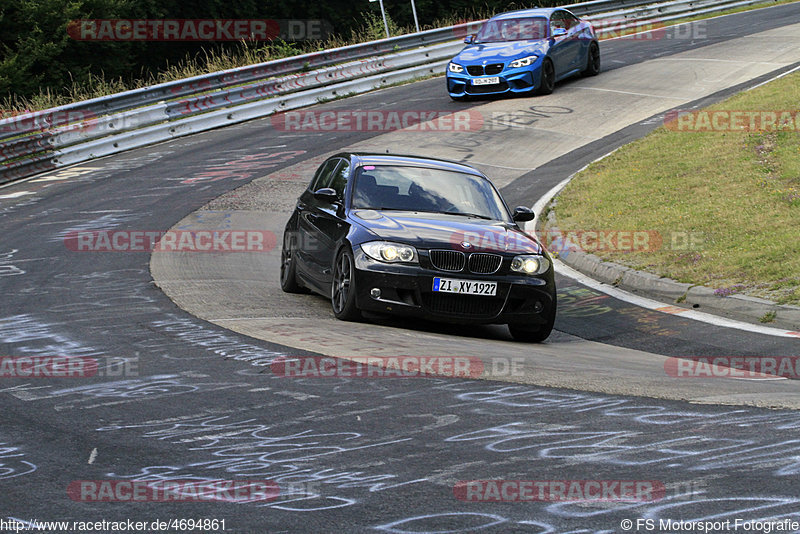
375 293
538 306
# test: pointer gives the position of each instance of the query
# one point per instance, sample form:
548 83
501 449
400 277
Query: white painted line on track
714 60
628 93
654 305
17 194
776 77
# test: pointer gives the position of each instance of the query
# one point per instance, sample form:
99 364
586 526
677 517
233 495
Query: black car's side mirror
469 39
523 214
326 194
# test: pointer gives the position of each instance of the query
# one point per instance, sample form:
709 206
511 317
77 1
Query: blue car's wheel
592 61
548 81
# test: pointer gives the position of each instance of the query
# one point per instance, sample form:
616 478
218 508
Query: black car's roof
366 158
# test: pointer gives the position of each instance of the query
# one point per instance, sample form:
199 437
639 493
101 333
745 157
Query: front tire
592 61
548 81
343 288
528 334
525 334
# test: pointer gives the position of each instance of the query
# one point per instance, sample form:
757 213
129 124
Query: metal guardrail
646 16
131 119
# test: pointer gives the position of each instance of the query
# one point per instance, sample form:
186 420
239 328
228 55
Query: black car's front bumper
408 290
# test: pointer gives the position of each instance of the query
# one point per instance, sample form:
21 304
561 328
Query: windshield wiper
469 215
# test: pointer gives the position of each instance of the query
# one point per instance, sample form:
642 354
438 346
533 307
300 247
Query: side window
323 174
570 21
339 181
557 21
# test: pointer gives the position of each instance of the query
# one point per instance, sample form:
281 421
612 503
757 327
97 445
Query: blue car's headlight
390 252
530 264
522 62
455 67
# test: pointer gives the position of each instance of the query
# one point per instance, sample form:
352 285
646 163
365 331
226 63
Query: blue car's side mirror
559 32
469 39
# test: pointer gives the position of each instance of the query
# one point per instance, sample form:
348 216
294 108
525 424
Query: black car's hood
435 230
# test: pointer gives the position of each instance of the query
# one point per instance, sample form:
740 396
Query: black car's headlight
530 264
390 252
455 67
522 62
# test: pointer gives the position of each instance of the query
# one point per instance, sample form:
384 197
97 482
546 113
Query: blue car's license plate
464 287
486 81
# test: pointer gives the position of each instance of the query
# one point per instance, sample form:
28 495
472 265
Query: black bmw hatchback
417 237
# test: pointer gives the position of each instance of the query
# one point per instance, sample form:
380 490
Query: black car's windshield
391 187
519 29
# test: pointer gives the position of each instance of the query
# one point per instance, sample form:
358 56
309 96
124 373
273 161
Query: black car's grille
481 263
480 70
465 305
454 261
448 260
493 88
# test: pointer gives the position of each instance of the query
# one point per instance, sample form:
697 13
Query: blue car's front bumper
519 80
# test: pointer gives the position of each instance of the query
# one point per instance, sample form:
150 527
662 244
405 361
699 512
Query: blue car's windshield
395 187
520 29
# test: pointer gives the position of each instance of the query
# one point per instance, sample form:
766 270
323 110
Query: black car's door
307 214
322 224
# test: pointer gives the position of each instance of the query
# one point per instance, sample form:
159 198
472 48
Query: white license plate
486 81
464 287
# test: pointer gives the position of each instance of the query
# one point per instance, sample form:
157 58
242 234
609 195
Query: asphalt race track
187 391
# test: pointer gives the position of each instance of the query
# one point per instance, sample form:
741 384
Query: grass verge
736 192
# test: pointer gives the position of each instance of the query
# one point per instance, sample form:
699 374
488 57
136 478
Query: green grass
768 317
737 190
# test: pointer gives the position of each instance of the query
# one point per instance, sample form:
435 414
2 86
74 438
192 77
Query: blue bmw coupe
524 51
